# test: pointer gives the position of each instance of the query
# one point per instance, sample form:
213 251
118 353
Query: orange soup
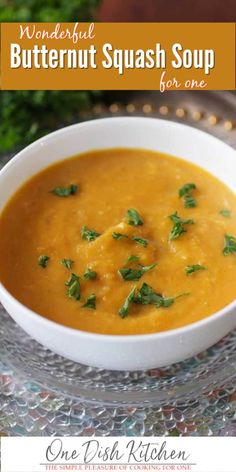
121 241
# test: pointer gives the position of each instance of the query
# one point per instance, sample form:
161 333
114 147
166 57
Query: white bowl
108 351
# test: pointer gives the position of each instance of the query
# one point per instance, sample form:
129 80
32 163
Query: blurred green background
27 115
52 10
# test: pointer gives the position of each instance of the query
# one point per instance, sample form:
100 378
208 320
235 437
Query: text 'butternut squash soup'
121 241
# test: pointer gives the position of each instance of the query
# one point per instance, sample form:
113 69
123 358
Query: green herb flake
133 258
186 189
118 236
226 213
43 261
135 274
230 245
124 310
194 268
91 302
189 201
133 217
89 234
65 191
73 285
141 241
147 296
67 263
179 226
185 192
90 274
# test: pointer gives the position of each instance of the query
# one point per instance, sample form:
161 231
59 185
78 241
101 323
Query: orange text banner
118 56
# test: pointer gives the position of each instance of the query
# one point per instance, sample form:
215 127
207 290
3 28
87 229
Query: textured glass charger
42 393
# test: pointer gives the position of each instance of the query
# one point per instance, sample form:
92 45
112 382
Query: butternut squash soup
121 241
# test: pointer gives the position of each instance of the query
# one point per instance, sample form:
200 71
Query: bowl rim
182 330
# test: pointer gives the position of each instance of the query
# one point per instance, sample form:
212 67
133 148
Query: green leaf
124 310
43 261
91 302
133 217
194 268
67 263
89 234
189 201
141 241
179 225
90 274
186 193
133 258
176 231
119 236
73 285
147 296
65 191
177 219
226 213
186 189
135 274
230 245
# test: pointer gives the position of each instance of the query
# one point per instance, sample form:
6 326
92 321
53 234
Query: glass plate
194 376
43 393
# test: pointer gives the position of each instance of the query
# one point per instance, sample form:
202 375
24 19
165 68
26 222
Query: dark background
168 10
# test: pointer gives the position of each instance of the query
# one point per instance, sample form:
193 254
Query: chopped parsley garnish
73 285
132 258
185 192
90 274
186 189
226 213
141 241
133 217
147 296
119 236
230 245
65 191
124 310
135 274
179 225
89 234
91 302
43 261
67 263
194 268
189 201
